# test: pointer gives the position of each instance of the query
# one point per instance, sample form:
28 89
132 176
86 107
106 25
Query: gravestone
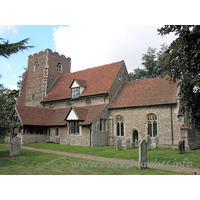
142 154
136 143
57 140
15 146
183 143
148 143
128 144
156 140
119 144
68 141
181 146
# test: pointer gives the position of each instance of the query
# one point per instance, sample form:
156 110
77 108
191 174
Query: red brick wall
39 82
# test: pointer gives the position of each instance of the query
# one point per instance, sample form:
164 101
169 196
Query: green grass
2 141
162 155
38 163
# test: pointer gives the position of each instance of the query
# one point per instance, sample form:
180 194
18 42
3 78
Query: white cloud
8 28
6 64
12 87
94 45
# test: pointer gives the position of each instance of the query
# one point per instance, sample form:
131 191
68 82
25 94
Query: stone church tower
43 70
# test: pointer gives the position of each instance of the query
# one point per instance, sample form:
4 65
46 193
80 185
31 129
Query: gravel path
117 161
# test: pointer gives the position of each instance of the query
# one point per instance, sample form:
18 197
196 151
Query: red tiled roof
42 116
88 113
92 113
155 91
98 81
56 117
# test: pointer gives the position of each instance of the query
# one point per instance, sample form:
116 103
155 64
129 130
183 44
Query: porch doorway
135 135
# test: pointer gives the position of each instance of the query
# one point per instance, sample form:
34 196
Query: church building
96 106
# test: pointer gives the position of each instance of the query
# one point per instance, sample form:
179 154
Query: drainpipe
172 126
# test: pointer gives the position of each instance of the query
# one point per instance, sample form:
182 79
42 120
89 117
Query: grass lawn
2 141
38 163
167 155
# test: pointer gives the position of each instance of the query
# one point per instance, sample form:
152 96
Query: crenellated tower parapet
42 71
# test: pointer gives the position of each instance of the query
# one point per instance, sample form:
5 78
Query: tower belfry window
36 66
59 68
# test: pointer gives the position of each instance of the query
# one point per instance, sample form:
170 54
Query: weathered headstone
143 154
128 144
148 143
119 144
15 146
57 140
68 141
181 147
156 140
136 143
183 143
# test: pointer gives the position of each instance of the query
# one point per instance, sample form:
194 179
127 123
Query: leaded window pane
150 128
154 128
118 133
88 101
122 129
74 128
75 92
101 125
57 131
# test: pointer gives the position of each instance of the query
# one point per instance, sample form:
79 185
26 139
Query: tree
8 97
153 63
182 61
7 49
7 100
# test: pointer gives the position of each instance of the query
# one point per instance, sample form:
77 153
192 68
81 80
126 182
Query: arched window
69 103
59 67
33 97
36 66
152 125
120 125
88 101
135 135
51 106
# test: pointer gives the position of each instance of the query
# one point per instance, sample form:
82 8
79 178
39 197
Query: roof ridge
91 68
147 79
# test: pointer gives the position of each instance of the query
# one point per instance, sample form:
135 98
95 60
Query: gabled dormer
71 116
77 87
